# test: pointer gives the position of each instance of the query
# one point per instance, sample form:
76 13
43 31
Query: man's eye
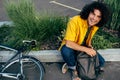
99 16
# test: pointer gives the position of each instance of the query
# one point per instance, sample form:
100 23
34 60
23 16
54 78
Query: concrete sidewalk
53 72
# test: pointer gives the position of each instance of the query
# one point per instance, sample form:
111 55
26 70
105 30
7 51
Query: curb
55 56
6 22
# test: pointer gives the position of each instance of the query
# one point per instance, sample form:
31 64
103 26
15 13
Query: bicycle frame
11 75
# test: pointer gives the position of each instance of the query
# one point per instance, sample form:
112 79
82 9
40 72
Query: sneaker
75 75
64 68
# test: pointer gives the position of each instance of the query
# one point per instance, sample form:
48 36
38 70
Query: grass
31 25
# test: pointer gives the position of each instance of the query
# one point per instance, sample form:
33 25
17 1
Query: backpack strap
86 36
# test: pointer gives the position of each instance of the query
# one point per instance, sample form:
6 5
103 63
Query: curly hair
102 7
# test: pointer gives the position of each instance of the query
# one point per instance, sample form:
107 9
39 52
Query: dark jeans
69 55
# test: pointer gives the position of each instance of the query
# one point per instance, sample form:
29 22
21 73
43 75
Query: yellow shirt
76 31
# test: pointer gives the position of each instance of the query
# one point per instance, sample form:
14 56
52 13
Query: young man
92 17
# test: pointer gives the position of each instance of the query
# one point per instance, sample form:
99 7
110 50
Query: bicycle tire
32 68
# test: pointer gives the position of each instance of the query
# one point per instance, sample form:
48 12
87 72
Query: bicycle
22 66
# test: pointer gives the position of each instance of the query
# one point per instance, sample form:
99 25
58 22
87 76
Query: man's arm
77 47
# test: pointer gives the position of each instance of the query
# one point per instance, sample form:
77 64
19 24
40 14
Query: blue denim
69 55
101 60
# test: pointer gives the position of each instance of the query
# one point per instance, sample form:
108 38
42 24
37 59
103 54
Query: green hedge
114 22
29 24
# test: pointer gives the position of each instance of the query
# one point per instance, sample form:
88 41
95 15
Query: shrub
4 31
114 22
110 35
51 26
29 24
99 42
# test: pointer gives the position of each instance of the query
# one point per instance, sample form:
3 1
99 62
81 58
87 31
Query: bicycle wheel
32 68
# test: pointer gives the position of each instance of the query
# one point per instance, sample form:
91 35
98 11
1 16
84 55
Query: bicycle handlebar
26 44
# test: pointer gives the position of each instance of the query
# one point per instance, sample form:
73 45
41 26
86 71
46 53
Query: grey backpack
87 66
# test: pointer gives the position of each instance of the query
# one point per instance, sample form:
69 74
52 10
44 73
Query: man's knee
66 50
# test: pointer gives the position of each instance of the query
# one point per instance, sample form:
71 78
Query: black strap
86 36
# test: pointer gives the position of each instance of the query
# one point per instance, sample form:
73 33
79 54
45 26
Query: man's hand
90 52
90 46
